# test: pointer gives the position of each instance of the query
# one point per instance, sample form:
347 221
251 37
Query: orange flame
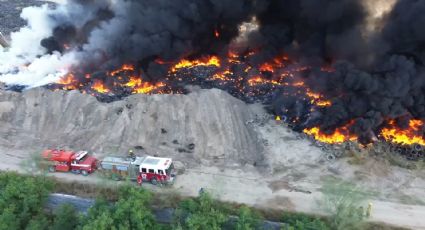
123 68
211 61
142 87
99 87
406 136
340 135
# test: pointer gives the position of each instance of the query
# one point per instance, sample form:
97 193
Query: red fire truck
65 161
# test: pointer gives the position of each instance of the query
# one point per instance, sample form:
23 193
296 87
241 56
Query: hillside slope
206 124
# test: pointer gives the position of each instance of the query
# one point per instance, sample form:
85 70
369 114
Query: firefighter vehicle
157 170
65 161
153 169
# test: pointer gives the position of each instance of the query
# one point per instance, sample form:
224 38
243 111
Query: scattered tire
418 147
330 157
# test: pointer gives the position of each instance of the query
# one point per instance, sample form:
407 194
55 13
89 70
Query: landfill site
231 136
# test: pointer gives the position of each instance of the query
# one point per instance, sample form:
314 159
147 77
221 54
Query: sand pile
205 124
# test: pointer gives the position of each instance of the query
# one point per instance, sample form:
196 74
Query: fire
98 86
260 81
275 63
67 79
340 135
142 87
253 81
216 33
266 67
125 67
317 99
408 136
69 82
211 61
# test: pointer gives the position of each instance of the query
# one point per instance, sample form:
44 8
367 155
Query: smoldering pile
368 70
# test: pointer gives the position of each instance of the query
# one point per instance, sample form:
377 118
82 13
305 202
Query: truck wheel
154 181
76 171
84 172
52 169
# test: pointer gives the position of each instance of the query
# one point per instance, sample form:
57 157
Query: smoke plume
376 56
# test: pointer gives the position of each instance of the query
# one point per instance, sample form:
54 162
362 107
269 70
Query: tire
330 157
76 171
84 173
154 181
52 169
418 147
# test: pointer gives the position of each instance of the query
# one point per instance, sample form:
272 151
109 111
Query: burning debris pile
334 70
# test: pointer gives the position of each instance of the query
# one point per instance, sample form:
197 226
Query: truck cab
82 163
157 170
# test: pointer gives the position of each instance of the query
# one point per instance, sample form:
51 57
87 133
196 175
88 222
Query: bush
131 211
22 199
200 213
247 219
343 201
66 219
299 221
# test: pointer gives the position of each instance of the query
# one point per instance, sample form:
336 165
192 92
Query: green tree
98 216
131 210
39 222
22 198
200 213
102 222
247 219
65 219
8 219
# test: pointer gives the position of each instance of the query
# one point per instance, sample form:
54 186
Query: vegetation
299 221
200 213
345 204
23 200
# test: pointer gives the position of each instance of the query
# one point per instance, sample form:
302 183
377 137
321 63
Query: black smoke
377 77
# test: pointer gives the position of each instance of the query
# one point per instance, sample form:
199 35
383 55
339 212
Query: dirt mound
203 125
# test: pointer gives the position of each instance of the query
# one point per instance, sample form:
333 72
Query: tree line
23 199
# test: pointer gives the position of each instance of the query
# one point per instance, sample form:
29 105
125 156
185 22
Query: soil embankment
206 124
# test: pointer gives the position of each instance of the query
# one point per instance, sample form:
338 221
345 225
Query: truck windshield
168 171
82 159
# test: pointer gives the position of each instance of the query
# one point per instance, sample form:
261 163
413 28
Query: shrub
22 199
200 213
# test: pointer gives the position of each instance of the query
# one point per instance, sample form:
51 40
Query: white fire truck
152 169
157 170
